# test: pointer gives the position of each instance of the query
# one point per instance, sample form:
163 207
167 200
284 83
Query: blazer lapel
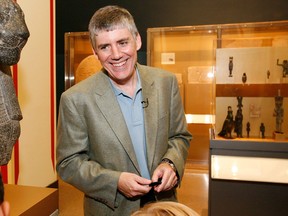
110 108
150 93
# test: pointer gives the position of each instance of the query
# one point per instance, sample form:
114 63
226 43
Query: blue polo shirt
134 116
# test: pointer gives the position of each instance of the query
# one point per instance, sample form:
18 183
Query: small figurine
244 78
268 74
230 66
284 66
238 123
278 113
239 100
239 118
262 130
248 129
228 125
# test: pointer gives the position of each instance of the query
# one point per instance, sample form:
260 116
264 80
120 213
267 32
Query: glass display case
189 52
80 62
242 67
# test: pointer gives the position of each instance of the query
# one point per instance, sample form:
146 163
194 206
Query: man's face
117 52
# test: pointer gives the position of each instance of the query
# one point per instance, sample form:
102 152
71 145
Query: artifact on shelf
279 113
244 78
239 118
230 66
262 130
228 125
248 129
284 67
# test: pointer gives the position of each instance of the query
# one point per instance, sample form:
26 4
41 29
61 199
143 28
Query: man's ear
138 41
95 54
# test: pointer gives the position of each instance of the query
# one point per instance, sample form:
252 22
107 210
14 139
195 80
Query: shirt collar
118 91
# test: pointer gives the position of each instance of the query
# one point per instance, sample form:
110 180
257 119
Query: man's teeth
119 64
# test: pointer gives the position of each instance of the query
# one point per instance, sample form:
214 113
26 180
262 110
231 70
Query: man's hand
132 185
168 175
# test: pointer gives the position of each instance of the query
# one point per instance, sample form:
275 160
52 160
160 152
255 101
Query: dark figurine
279 113
239 118
284 66
268 74
262 130
239 100
244 78
13 37
248 129
230 66
238 123
228 125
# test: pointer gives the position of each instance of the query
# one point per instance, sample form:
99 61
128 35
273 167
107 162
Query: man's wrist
170 163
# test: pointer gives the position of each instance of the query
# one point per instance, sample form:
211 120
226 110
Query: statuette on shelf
248 129
278 113
239 118
244 78
284 67
228 125
262 130
230 66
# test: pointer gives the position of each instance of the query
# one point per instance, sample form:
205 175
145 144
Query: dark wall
74 15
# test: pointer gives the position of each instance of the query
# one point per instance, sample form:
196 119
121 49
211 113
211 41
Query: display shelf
251 90
257 50
249 176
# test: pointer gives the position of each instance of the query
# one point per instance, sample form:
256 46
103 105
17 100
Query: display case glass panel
230 65
80 62
189 52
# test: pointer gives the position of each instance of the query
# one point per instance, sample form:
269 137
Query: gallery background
75 15
40 77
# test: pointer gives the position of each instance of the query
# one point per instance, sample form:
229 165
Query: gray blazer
93 142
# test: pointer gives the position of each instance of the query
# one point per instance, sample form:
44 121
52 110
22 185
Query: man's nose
116 53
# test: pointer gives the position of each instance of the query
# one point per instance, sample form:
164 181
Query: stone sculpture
228 125
13 37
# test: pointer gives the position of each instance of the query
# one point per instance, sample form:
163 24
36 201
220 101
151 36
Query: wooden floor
194 188
193 193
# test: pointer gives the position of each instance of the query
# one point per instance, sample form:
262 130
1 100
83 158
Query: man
4 205
122 128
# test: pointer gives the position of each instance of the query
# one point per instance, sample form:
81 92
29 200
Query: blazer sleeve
179 136
73 164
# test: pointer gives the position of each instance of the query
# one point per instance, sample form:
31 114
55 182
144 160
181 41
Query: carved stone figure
262 130
284 66
238 123
230 66
228 125
13 36
279 113
244 78
248 129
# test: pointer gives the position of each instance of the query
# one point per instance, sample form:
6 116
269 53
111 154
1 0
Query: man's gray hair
110 18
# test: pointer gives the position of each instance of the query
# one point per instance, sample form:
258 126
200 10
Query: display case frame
264 38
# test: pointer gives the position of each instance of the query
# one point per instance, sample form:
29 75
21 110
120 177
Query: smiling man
122 137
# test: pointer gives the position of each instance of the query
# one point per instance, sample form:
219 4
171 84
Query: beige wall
34 93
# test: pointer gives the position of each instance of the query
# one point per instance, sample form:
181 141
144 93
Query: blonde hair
165 208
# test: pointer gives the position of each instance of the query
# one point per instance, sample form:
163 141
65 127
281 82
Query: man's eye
123 43
104 48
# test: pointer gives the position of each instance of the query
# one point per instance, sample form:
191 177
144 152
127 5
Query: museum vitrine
230 69
189 52
79 59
